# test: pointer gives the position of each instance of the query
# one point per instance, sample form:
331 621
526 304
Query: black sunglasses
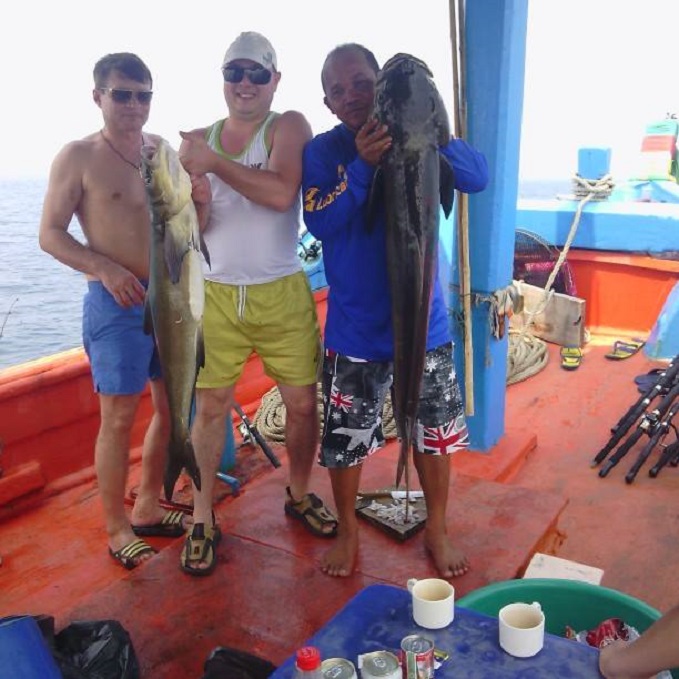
257 76
125 96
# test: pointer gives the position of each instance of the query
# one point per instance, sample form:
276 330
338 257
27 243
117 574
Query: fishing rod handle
646 451
621 452
266 449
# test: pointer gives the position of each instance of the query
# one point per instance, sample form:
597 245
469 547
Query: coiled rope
270 417
527 353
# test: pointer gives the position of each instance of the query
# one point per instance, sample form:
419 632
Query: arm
64 196
276 187
655 650
332 198
470 166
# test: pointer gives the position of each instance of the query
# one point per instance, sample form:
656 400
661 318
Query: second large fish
175 300
414 180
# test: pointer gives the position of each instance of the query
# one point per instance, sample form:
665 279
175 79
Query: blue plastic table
379 616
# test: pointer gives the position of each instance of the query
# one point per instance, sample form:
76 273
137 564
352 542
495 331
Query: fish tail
173 468
180 456
402 465
190 463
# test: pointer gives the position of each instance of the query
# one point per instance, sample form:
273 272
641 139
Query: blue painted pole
495 40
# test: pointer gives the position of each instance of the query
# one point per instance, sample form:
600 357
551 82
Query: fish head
168 184
409 104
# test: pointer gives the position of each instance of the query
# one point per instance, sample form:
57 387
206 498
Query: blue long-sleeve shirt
336 185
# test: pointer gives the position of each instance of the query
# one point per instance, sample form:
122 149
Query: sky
597 71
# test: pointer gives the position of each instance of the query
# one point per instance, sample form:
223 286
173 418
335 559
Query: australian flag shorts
354 393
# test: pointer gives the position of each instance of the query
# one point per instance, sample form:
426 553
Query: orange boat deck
533 492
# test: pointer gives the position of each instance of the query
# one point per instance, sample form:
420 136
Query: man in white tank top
246 172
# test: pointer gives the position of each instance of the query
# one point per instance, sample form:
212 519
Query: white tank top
248 243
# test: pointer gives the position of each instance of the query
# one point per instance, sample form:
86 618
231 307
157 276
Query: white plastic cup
522 629
433 602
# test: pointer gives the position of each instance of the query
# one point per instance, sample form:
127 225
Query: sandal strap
199 542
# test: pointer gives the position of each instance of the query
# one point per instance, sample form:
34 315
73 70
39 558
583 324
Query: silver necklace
136 166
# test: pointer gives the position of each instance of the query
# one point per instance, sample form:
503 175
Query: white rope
588 189
527 354
270 416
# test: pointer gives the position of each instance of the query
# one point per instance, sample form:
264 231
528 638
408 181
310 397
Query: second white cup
433 602
522 629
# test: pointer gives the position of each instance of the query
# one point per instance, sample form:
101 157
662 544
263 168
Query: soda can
423 650
338 668
379 665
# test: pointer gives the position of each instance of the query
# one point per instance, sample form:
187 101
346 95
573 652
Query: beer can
423 649
338 668
379 665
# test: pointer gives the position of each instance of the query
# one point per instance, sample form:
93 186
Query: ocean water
41 299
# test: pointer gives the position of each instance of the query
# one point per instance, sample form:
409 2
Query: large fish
412 180
175 299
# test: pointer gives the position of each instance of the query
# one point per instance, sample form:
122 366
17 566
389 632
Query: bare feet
339 560
449 561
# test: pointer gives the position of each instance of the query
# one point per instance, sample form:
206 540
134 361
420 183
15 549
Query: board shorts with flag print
354 392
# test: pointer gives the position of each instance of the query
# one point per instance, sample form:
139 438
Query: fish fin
148 316
204 250
446 184
200 351
174 250
402 461
375 198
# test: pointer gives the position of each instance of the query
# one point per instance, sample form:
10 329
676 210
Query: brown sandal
313 514
200 548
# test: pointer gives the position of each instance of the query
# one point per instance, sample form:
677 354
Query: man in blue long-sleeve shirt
338 169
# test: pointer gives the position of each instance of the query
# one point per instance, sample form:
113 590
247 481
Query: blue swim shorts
122 356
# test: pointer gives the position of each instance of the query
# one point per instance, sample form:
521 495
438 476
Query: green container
572 603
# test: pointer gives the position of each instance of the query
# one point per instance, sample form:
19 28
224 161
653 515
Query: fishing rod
669 456
660 432
646 425
254 433
661 386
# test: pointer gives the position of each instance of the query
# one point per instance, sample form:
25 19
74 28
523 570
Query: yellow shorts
275 320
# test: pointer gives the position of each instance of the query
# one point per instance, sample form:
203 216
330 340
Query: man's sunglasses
125 96
257 76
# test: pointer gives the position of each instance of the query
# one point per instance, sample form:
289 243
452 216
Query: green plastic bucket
572 603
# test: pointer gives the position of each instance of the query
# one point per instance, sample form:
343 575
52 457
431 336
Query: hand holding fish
123 285
372 140
201 193
195 154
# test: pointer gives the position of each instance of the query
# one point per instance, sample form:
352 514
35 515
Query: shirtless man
98 180
257 298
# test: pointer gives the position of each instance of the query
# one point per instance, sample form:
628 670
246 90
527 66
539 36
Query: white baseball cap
253 46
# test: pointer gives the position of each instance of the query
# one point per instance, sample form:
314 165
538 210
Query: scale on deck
376 509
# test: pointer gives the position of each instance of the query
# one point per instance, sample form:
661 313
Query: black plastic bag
231 663
99 649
